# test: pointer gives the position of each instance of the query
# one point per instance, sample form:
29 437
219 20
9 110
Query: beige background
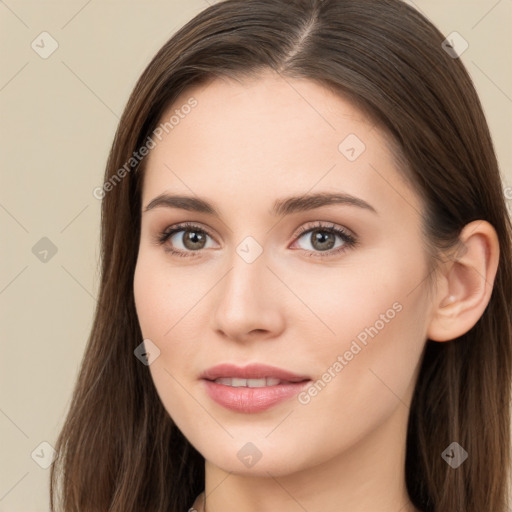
59 116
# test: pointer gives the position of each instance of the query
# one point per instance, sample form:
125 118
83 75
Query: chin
259 457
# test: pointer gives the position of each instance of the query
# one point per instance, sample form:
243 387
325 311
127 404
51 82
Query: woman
306 263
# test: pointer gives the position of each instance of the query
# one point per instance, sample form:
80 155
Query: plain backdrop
59 114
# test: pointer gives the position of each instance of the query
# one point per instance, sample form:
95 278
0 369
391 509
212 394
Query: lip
252 400
251 371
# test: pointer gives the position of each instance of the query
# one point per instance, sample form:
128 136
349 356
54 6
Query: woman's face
271 273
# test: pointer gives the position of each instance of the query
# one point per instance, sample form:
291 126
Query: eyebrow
283 206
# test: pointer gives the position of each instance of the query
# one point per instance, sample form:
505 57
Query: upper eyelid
184 227
324 225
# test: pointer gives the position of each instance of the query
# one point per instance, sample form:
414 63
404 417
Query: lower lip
244 399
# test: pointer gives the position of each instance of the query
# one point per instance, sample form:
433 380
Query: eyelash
349 240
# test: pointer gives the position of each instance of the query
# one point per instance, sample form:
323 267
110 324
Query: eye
184 239
322 239
187 239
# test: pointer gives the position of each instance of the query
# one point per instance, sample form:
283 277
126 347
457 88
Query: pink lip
251 371
245 399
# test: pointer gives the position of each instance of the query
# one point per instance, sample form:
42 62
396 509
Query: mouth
253 388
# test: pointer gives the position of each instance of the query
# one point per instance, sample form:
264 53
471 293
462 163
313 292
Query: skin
243 146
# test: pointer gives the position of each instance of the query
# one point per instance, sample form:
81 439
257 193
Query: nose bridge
244 300
247 258
247 274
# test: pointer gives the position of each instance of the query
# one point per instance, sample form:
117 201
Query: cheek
165 300
148 294
372 329
160 303
369 298
159 296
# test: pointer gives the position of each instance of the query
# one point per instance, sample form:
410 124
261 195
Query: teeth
249 383
238 383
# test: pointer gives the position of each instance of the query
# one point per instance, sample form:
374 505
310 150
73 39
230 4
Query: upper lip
251 371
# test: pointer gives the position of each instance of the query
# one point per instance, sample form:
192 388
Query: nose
248 302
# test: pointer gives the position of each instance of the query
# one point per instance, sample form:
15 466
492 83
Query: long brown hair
119 450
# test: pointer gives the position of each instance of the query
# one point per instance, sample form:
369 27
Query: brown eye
183 239
191 240
322 239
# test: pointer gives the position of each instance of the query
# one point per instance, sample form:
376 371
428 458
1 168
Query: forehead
257 138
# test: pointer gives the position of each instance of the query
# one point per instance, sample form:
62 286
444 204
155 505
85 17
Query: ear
465 283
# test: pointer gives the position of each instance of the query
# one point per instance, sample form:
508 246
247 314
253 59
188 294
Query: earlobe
467 281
